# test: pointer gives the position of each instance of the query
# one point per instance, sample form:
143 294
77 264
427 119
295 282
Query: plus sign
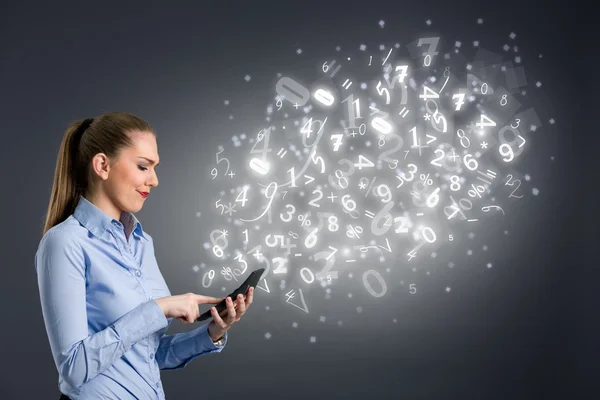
332 197
257 254
353 133
296 105
231 174
454 156
419 147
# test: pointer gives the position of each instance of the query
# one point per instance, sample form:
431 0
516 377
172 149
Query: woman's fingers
241 307
217 318
230 311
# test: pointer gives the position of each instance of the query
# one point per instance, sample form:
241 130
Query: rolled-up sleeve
79 357
178 350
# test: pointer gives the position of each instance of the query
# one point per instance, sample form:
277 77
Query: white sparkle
267 335
535 191
381 23
428 22
226 102
363 47
299 51
512 35
247 78
294 325
489 265
313 339
480 21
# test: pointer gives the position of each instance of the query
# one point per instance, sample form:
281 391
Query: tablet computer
251 280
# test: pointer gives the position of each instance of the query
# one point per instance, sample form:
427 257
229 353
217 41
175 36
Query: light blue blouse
98 278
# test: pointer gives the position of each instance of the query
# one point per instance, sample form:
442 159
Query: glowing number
471 163
384 155
434 161
222 159
243 200
312 202
413 167
244 263
311 239
353 110
318 160
429 234
384 192
292 91
433 198
372 292
264 139
485 85
291 212
329 262
333 226
291 171
311 277
503 100
210 275
381 91
383 213
485 121
279 265
340 179
213 173
272 185
337 141
279 104
428 94
432 42
461 100
455 185
508 152
348 203
413 288
464 136
363 162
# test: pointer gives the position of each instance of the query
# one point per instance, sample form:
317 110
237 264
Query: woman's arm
79 357
178 350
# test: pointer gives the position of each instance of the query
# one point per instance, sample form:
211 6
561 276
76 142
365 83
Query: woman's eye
142 168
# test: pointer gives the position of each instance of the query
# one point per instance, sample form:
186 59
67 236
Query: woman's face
130 175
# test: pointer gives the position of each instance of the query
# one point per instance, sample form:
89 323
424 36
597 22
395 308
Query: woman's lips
144 194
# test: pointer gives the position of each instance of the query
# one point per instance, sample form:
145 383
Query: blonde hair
108 134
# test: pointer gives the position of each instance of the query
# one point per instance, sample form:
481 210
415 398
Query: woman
105 303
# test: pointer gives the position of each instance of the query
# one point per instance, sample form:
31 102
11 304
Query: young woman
105 303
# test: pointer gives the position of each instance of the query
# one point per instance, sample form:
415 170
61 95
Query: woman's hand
184 307
235 310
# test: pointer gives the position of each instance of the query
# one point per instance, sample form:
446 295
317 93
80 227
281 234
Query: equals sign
403 112
369 214
489 174
281 153
347 83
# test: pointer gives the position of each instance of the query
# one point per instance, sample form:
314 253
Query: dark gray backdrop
520 330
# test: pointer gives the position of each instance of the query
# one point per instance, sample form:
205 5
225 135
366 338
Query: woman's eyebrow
151 161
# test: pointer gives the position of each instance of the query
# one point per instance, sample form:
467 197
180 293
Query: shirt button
151 356
138 273
157 384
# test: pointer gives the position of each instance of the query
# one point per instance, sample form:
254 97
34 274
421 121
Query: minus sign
472 220
419 214
297 254
350 260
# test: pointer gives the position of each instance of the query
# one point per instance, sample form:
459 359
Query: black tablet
251 280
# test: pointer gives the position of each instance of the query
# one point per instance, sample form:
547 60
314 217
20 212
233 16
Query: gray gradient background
522 330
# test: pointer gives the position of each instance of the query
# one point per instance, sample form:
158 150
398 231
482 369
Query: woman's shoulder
67 231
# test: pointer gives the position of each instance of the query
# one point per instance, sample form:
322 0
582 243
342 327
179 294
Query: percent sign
363 182
426 179
227 274
476 191
304 219
354 232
